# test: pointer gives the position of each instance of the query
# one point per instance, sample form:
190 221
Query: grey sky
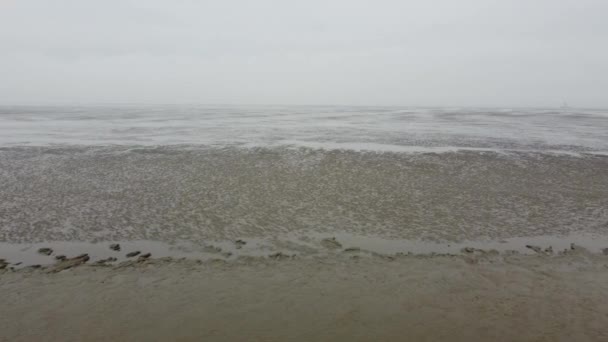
380 52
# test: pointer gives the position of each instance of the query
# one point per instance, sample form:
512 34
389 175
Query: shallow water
171 193
369 128
171 174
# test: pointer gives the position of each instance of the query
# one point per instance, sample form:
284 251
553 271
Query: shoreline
311 245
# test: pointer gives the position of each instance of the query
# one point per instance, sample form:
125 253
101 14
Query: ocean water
353 128
196 174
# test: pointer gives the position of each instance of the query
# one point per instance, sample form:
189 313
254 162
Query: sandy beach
472 296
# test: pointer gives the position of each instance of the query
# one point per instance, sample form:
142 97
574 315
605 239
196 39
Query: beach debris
572 246
240 243
212 249
115 247
3 264
126 263
60 257
103 262
535 248
352 249
45 251
69 263
279 256
477 251
132 254
383 256
143 257
331 243
36 266
549 250
605 251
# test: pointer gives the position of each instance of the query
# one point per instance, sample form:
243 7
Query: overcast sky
380 52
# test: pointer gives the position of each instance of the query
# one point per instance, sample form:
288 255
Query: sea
225 181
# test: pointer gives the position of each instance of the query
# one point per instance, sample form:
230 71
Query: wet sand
470 297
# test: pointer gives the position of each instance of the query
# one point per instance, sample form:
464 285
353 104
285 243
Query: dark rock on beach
84 257
45 251
60 257
115 247
104 262
144 257
331 243
132 254
240 243
279 256
127 263
69 263
476 251
536 249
